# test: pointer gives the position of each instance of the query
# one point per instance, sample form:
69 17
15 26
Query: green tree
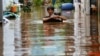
21 1
37 2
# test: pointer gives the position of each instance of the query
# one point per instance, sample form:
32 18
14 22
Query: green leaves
37 2
21 1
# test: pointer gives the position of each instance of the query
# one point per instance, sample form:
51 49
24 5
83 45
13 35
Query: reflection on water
8 39
50 38
1 40
25 37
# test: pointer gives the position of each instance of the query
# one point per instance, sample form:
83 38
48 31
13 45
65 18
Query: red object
94 54
14 8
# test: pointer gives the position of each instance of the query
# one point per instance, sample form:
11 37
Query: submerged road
28 36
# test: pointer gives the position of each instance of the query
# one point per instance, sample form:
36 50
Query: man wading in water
53 17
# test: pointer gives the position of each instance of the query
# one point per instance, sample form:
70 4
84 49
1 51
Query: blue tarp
67 6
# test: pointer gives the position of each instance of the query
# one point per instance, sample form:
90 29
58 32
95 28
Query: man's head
50 10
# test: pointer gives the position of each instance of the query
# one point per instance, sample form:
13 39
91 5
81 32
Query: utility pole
76 28
87 17
81 24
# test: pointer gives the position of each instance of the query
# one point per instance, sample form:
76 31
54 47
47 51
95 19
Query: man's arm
63 17
55 17
60 17
47 17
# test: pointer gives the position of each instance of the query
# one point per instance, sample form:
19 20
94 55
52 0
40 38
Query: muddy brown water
28 36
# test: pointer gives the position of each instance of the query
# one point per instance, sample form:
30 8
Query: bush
37 2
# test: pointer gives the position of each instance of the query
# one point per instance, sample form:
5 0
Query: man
53 17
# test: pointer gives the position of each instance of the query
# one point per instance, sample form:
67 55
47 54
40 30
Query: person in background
53 17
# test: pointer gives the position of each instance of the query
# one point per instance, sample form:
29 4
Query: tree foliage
21 1
37 2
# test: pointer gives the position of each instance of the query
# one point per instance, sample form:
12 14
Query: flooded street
29 36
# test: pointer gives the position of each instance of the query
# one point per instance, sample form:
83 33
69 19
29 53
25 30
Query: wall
0 11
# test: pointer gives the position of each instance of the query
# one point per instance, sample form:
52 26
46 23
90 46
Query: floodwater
29 36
